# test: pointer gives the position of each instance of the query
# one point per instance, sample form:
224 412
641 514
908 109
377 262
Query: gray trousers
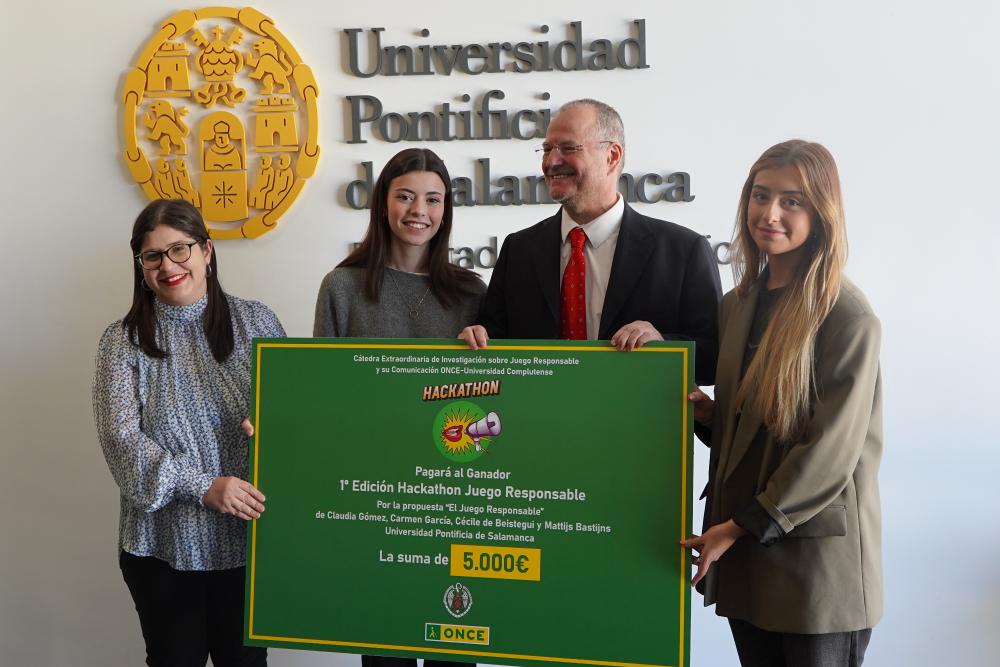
761 648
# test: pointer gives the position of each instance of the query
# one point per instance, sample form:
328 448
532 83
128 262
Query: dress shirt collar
600 228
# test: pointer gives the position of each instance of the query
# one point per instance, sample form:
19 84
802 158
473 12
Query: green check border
261 344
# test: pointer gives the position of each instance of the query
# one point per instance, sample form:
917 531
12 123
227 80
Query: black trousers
187 616
380 661
761 648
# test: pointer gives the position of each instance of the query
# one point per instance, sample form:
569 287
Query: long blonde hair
779 381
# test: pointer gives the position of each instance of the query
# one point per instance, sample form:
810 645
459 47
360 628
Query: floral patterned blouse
169 426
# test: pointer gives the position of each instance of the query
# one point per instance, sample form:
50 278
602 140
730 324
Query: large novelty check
515 505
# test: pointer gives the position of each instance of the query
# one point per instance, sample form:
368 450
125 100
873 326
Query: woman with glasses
791 552
171 390
399 283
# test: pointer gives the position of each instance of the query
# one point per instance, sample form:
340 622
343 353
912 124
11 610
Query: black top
754 518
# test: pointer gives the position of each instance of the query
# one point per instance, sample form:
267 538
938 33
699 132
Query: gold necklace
414 310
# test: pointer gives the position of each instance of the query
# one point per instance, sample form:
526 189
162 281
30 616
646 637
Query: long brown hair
141 318
779 381
447 281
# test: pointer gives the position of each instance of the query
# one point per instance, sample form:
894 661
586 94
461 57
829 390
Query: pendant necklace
414 310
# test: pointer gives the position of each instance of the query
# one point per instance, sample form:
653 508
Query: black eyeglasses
178 254
567 149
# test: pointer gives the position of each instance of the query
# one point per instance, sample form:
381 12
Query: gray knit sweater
343 309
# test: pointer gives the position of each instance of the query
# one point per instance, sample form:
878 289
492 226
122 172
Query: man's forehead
573 123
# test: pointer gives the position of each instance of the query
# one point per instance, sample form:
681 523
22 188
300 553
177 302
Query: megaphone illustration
486 427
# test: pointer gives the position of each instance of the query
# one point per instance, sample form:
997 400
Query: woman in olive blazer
791 549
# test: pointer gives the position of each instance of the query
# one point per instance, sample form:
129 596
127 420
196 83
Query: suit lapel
631 254
741 423
546 263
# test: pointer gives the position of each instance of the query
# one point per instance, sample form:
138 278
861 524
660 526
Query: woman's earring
144 285
208 273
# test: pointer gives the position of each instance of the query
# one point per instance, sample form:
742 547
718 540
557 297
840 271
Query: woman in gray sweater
399 283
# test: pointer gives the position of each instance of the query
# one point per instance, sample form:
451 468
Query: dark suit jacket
662 273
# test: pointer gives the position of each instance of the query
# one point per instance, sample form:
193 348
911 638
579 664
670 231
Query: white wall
904 94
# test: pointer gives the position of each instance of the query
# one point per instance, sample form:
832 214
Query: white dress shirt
599 254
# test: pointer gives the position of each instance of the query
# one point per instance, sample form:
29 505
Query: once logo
458 634
221 111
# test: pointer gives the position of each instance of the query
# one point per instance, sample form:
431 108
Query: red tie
573 305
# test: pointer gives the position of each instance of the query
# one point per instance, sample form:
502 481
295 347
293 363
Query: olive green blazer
824 573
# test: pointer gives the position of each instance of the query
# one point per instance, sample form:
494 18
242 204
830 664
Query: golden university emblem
220 110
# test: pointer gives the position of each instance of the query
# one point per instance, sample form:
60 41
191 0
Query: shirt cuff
196 486
755 520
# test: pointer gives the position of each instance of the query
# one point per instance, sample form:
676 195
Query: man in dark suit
628 278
